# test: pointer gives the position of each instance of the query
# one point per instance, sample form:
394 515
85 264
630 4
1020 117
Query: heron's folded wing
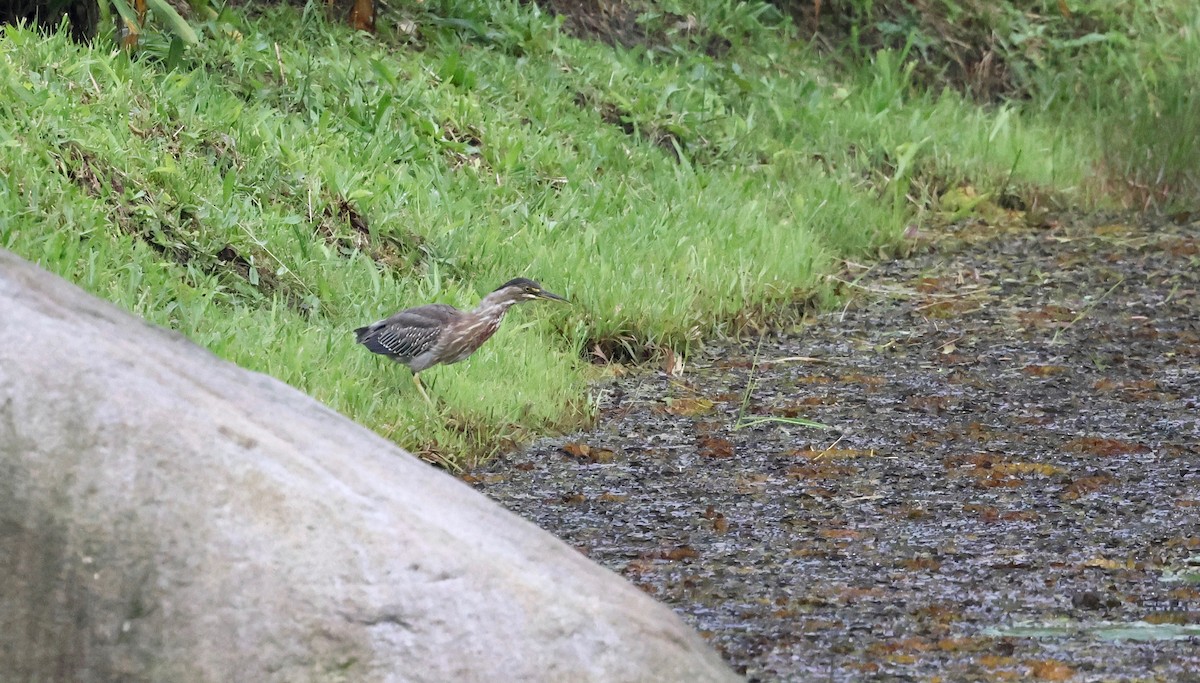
410 332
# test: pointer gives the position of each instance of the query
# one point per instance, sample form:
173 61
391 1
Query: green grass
1126 75
670 195
1144 86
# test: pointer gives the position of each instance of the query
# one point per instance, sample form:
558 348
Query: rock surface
165 515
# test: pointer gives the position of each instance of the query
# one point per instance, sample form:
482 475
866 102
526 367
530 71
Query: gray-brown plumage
440 334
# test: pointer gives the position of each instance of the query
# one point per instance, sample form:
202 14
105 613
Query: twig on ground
1086 310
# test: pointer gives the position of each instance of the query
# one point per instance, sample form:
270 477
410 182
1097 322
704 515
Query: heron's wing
408 333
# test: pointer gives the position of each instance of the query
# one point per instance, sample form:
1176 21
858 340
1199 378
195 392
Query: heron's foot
420 388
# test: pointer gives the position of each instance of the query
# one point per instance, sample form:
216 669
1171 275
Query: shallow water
1012 487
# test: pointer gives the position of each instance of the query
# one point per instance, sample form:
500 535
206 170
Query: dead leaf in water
680 552
1050 670
1183 247
920 564
719 523
865 380
1181 618
993 471
672 365
1102 446
1018 468
981 432
839 534
1109 564
714 447
812 379
941 613
582 451
1187 593
1113 230
750 483
930 285
1132 391
964 644
932 405
689 407
987 513
803 407
995 661
1046 316
910 644
1085 485
638 566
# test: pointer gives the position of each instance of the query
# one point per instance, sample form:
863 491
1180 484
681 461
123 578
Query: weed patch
287 180
623 120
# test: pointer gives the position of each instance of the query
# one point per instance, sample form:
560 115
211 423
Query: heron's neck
494 305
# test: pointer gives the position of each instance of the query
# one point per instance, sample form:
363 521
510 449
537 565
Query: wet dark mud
1012 490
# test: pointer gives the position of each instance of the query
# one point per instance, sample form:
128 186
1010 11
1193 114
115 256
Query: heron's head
523 289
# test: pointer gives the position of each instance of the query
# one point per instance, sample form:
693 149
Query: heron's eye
531 290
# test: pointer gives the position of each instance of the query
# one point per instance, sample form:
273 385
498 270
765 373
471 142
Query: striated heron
440 334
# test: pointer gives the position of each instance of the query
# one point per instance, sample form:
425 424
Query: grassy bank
288 180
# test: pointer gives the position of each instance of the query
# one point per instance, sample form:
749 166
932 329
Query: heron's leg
417 381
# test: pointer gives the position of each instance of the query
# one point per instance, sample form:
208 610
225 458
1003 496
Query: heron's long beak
551 295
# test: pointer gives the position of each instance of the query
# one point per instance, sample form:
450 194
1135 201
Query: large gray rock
168 516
